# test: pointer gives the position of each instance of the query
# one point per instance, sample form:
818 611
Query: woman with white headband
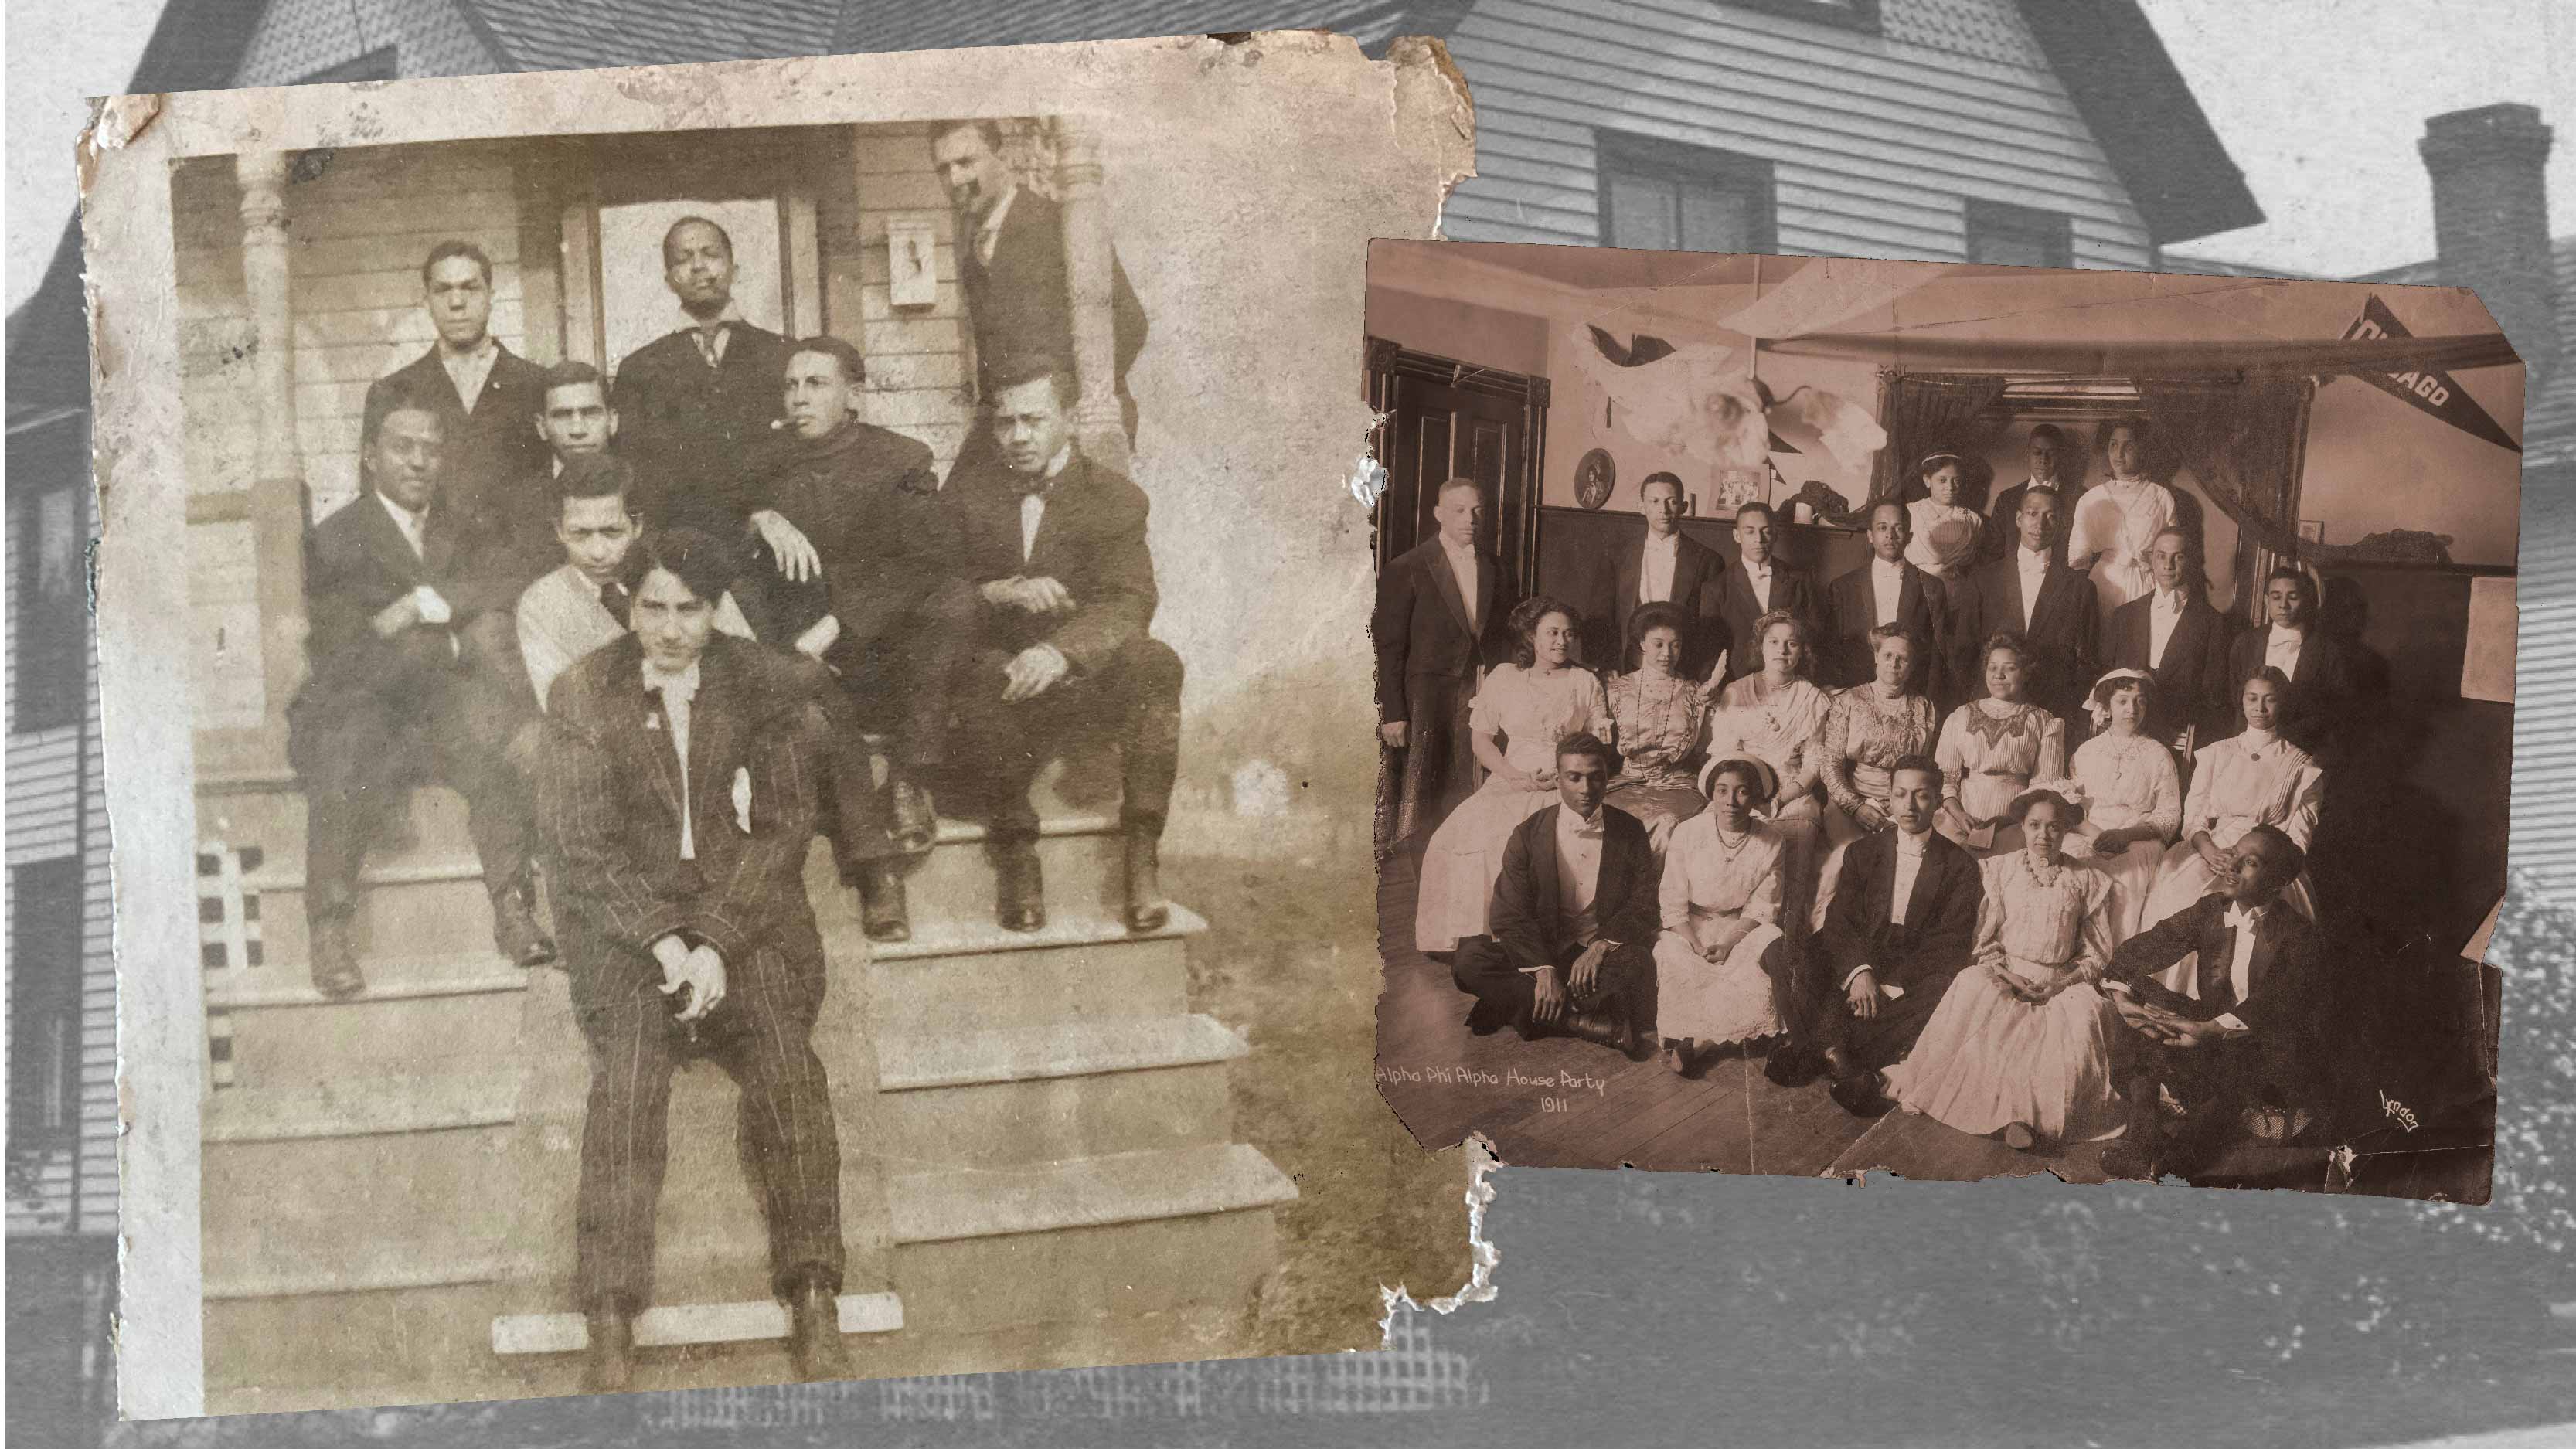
1945 530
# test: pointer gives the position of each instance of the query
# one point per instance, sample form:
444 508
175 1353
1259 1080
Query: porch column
277 499
1087 270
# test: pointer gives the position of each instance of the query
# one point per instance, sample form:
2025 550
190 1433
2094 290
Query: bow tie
2237 918
1033 485
1586 830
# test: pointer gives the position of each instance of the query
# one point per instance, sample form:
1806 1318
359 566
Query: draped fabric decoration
1922 411
1695 401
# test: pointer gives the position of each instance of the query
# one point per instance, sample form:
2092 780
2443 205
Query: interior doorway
1443 419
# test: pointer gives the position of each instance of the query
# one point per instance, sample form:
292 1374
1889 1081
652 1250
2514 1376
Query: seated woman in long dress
1945 529
1868 728
2021 1044
1777 716
2133 796
1721 943
2250 778
1518 716
1660 713
1992 748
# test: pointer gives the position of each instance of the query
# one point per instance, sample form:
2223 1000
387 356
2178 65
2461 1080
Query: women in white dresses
1721 911
2021 1042
2117 520
1945 531
1777 716
1868 728
2133 797
1659 714
2251 778
1518 716
1990 751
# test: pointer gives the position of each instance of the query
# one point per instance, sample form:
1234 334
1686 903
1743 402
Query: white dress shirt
1759 575
1909 864
2240 966
470 370
988 232
1655 569
1033 504
1578 870
677 690
1886 587
2281 650
2034 572
414 526
1462 567
2163 613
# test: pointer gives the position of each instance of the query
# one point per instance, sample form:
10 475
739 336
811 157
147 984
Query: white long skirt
1462 860
2133 876
1697 999
1986 1061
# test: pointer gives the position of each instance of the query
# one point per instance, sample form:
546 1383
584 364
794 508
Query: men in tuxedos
2172 633
2055 462
1011 263
1438 626
2231 1033
1757 583
697 403
1053 542
2319 666
390 695
2033 594
1886 590
1901 927
679 795
1574 916
1664 567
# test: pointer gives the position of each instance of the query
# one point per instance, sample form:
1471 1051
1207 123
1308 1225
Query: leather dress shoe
2125 1160
814 1335
882 909
335 960
1146 908
1601 1028
1019 886
1863 1094
515 930
915 820
1790 1065
611 1364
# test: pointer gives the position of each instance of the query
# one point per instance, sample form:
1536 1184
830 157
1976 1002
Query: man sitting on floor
1575 914
1902 924
2228 1035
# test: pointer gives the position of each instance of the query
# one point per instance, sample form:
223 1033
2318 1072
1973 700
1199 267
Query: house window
2016 236
44 1005
1664 196
52 572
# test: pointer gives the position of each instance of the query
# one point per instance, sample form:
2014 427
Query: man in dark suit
2055 463
1901 926
679 796
1011 262
2174 635
2319 666
1664 567
1757 583
697 404
1886 590
855 573
1574 915
2053 608
2232 1035
390 695
1054 545
1440 623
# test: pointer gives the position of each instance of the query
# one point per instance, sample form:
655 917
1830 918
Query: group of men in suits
653 628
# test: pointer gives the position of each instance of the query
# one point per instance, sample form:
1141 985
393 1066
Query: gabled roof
2143 116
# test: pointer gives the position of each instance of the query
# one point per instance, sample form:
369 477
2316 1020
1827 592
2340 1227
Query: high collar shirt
469 370
1462 567
2034 572
1578 871
2281 650
988 232
414 526
1655 570
2162 615
711 337
1886 588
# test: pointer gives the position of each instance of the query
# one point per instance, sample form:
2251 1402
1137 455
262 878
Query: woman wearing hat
1992 748
1945 530
1777 716
1721 907
1659 713
2021 1043
2134 794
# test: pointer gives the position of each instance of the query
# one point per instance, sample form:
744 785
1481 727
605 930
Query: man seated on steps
1574 918
390 696
677 797
1054 543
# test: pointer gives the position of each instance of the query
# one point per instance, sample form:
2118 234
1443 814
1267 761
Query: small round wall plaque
1593 478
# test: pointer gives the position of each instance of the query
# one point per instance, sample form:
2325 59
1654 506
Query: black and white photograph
2084 749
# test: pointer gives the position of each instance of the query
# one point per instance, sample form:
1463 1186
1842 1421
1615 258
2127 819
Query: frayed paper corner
1483 1256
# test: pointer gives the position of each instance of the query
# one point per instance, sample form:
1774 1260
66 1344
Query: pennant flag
2428 388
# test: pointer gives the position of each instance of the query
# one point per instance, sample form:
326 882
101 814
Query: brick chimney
2491 220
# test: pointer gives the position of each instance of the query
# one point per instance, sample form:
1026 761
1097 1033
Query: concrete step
1080 858
289 1035
1128 1233
432 828
674 1325
425 1342
1040 1094
429 909
967 975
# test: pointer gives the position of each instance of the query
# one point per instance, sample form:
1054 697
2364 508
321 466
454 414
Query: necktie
614 597
708 337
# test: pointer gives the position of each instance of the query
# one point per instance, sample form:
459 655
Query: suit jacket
699 436
2062 633
1020 302
1420 625
867 500
1698 592
2191 685
1851 611
356 562
1940 927
1091 539
491 452
609 809
2281 979
1791 590
2324 686
1528 917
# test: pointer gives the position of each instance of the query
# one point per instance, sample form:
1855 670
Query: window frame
50 640
1678 163
48 925
2054 230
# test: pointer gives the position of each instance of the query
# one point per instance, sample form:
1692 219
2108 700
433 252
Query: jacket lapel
1542 858
1909 592
385 539
1444 582
1628 577
1918 901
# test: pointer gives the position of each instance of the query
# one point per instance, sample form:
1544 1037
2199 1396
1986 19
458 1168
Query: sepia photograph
734 837
1999 720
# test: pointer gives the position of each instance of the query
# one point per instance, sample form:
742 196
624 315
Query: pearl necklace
1741 841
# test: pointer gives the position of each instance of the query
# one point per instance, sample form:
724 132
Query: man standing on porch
699 405
483 393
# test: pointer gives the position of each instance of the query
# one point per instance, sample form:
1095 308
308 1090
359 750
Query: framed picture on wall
1736 487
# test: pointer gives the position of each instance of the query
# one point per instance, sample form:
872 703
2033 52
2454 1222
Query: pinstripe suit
609 808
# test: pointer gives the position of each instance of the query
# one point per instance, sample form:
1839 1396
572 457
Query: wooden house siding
916 356
1876 141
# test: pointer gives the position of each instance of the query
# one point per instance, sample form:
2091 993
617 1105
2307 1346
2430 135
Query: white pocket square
742 798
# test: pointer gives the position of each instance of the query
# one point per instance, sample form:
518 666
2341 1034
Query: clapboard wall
1876 142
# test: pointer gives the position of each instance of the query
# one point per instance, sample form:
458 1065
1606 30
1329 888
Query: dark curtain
2240 439
1922 411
